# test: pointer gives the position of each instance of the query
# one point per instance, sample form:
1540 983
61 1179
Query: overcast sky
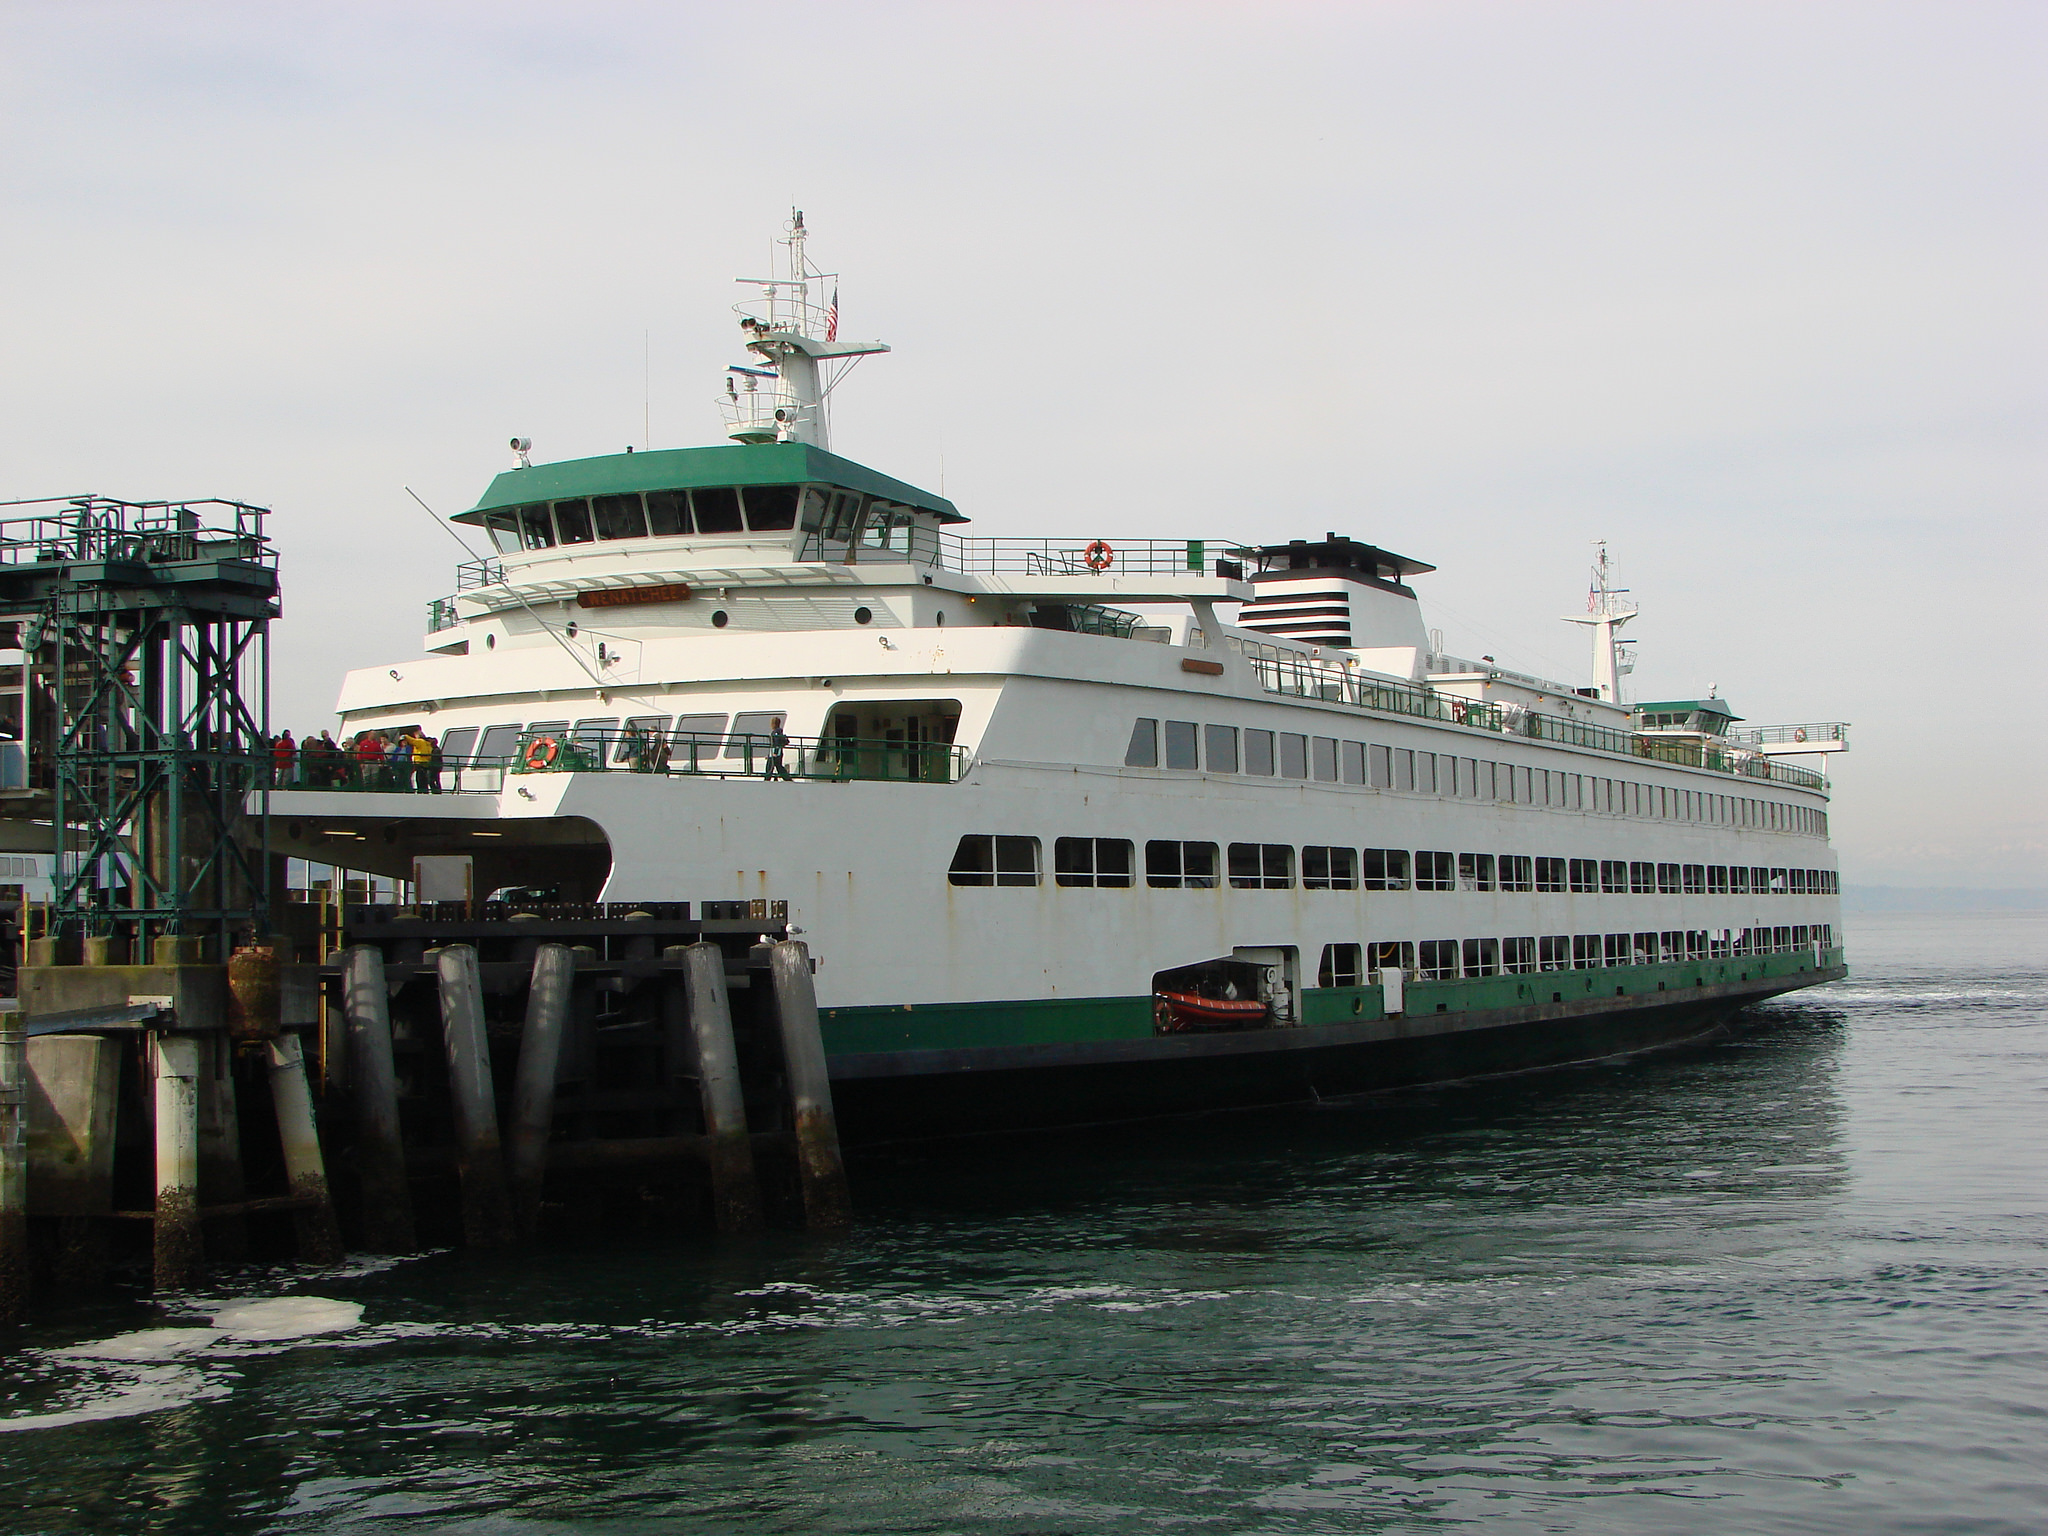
1751 291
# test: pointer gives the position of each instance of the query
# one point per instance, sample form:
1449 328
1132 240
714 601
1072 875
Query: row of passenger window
1351 965
1190 745
992 859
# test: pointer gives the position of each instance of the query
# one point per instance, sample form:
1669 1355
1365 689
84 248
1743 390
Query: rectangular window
1482 957
1523 793
1717 879
1642 878
1382 767
1173 866
536 527
1738 879
1554 952
1143 752
1586 952
984 860
1354 762
668 514
750 732
1433 872
1777 882
589 738
1475 871
718 509
1518 956
1550 875
1096 861
1404 769
696 739
1667 880
1518 871
456 744
1613 877
1329 869
1343 965
1219 745
1293 756
643 735
1323 759
771 508
1646 949
619 517
1797 886
572 518
1585 876
1181 745
1386 869
1258 753
1425 773
1261 866
1617 945
1439 959
1694 879
1391 954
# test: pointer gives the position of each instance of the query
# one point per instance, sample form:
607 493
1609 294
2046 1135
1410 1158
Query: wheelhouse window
668 514
1329 869
618 517
1180 866
572 521
503 528
982 859
771 508
1261 866
537 527
717 509
1092 861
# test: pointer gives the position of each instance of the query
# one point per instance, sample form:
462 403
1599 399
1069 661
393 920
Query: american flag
832 316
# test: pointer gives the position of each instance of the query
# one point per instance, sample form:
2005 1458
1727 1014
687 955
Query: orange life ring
1800 734
542 753
1100 556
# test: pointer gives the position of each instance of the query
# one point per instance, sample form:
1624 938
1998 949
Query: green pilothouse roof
666 469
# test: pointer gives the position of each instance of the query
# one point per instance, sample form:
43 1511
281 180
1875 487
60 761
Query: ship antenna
1608 607
798 342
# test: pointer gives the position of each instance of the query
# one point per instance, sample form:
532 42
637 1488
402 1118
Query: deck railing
1814 731
840 759
1070 557
1296 676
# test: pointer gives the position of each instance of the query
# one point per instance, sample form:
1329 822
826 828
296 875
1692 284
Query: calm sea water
1793 1283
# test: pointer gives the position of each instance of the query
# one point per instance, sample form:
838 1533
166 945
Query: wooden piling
533 1089
319 1237
14 1267
822 1172
178 1246
379 1149
479 1154
735 1193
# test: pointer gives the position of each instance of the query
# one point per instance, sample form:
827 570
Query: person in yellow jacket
425 780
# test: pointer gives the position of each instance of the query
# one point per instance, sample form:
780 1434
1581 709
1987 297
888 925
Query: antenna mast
1607 608
798 342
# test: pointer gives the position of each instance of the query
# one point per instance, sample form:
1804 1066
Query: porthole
490 642
863 615
720 619
942 618
572 629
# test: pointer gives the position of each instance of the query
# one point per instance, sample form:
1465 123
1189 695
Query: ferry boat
1077 829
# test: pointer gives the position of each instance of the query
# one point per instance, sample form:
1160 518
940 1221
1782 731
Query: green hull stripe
1080 1020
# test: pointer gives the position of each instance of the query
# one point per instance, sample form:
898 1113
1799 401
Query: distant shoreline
1905 898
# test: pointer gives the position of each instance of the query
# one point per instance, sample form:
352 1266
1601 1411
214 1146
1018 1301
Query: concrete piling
533 1089
379 1149
220 1148
479 1154
319 1237
735 1192
178 1246
14 1268
827 1202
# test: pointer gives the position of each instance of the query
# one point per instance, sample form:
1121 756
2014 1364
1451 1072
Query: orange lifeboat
1187 1010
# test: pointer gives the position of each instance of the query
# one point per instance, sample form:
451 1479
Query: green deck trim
1083 1020
668 468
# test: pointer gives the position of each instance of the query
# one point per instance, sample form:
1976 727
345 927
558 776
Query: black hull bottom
917 1095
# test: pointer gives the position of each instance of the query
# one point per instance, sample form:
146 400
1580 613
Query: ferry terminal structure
1067 842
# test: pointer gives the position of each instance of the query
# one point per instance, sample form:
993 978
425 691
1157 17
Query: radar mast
1608 607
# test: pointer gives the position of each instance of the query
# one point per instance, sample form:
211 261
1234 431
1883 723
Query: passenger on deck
369 760
777 768
283 752
423 750
398 761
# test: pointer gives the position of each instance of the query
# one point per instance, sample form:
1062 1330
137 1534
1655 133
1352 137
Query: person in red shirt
369 760
282 753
